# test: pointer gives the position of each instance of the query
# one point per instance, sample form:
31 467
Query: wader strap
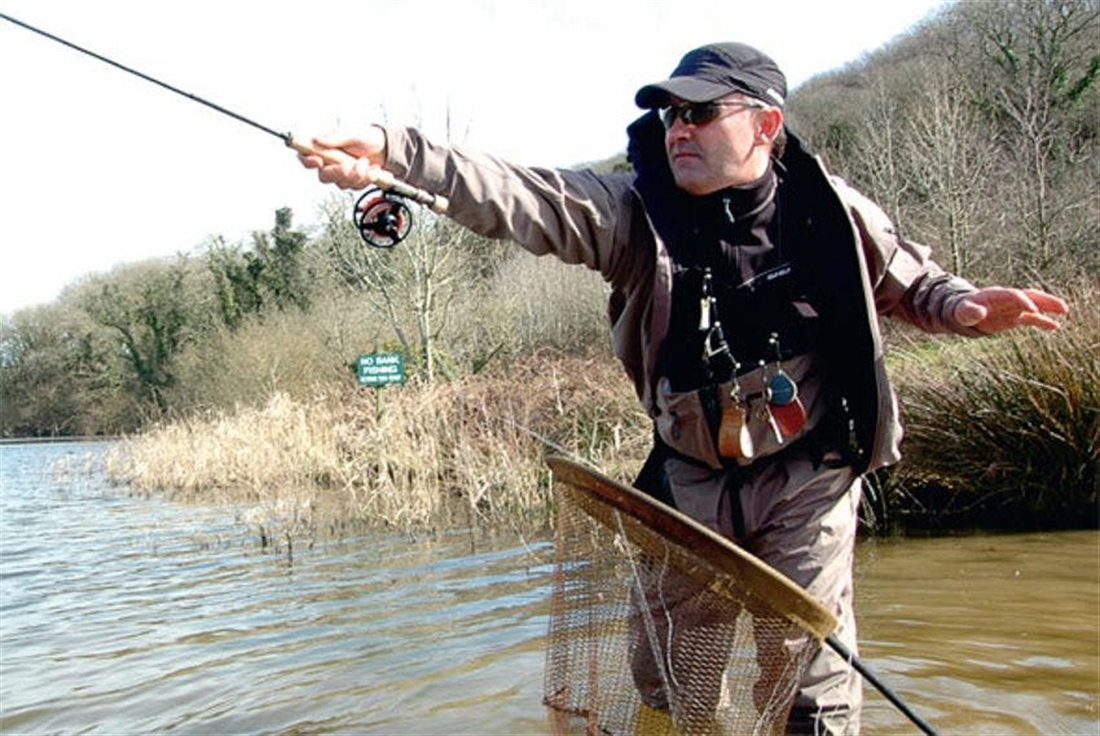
712 408
651 478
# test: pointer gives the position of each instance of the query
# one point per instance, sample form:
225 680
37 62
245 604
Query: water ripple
123 615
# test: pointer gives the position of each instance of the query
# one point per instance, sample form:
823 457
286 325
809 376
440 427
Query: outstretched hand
997 308
364 154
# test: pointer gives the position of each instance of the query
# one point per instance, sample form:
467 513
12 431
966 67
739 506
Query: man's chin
690 181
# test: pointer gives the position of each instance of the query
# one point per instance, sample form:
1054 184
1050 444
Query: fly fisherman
746 283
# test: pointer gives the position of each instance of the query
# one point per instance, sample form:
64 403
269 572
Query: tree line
978 132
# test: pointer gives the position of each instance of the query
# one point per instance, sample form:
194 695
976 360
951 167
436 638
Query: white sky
98 167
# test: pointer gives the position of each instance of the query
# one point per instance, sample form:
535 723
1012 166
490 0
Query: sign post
381 369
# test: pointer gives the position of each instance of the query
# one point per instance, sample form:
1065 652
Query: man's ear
770 123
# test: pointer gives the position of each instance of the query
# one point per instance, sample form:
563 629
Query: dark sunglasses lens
693 114
703 113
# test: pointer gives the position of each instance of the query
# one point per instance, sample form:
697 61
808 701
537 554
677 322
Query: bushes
1004 431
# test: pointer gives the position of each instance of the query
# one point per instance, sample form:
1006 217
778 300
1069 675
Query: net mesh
657 625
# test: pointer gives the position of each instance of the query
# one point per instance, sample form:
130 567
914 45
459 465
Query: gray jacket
602 222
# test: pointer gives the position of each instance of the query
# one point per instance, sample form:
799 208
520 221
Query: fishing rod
381 213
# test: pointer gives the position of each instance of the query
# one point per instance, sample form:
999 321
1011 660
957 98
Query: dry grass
1007 426
463 452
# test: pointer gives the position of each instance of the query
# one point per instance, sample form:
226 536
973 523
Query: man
746 284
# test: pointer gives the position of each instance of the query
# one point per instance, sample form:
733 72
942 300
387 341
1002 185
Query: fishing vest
739 262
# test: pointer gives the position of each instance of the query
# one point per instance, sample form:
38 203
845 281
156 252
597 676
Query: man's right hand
348 161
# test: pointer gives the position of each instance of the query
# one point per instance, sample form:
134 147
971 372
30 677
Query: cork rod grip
379 176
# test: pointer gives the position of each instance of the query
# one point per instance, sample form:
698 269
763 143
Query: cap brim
688 89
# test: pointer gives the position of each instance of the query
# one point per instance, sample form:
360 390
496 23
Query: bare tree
949 159
412 285
1038 60
878 144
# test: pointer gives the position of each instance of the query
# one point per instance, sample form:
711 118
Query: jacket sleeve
579 216
908 284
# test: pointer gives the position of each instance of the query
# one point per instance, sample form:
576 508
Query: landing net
658 625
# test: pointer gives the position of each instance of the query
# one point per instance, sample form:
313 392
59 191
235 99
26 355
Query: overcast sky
98 167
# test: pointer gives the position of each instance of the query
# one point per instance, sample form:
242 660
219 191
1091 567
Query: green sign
381 369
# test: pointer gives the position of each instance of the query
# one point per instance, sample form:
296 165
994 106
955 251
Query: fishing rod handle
379 177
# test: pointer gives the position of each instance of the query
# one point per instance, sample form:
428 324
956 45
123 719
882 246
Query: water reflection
128 615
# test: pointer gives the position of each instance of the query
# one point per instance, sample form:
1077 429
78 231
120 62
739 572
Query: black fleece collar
675 213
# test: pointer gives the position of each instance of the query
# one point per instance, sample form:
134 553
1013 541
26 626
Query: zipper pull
706 303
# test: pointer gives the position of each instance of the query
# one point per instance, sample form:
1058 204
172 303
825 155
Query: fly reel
382 217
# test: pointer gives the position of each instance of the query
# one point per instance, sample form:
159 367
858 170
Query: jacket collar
675 214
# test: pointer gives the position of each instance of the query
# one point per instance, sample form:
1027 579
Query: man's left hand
997 308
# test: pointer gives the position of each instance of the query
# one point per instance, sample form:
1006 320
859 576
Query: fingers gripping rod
379 177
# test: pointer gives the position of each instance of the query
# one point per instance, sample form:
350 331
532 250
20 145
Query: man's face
730 150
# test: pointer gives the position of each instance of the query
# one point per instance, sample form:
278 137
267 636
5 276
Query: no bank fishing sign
381 369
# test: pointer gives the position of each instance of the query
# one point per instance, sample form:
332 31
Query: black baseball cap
714 71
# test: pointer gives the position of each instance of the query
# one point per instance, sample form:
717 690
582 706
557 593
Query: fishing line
382 217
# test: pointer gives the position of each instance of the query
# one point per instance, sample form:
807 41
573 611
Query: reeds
1003 431
464 452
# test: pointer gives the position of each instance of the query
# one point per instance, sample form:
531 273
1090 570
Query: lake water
124 615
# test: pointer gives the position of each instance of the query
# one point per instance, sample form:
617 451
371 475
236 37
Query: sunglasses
701 113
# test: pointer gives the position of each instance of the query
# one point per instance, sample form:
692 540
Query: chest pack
752 279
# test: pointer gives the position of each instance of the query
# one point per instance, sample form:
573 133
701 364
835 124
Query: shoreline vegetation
231 368
1000 433
467 452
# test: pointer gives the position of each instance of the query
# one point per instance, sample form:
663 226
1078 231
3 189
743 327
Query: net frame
659 625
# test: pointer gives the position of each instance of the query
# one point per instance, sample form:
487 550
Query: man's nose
679 130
